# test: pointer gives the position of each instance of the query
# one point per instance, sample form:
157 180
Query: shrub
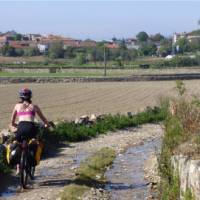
74 132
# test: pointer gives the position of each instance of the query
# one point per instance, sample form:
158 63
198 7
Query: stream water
126 177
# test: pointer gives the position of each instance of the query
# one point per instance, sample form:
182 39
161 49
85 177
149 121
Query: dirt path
56 172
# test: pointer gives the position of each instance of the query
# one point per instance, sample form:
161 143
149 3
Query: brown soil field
71 100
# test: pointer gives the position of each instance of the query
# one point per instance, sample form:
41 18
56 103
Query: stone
189 173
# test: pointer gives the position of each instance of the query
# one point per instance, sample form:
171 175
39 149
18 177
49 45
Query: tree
157 37
80 59
114 39
122 44
18 37
56 50
69 52
7 50
142 36
148 49
19 52
164 50
31 52
183 45
194 45
133 53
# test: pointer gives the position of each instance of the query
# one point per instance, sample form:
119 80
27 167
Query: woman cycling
25 111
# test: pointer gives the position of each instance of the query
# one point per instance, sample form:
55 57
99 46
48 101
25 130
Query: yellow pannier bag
8 153
36 146
38 153
13 153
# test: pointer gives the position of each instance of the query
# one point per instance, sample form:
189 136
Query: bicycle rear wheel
24 170
32 172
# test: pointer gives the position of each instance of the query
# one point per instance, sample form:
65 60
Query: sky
101 19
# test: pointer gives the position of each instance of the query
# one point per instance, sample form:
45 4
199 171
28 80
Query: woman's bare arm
13 117
40 114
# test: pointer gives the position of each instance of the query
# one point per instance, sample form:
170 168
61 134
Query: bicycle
27 161
27 169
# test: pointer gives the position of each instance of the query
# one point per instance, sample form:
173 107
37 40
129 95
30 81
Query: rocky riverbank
59 170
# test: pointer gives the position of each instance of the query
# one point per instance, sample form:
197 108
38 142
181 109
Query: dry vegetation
72 100
4 59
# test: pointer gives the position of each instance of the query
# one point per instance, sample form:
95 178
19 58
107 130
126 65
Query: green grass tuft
89 174
74 192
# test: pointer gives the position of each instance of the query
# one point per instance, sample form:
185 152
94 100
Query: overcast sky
99 19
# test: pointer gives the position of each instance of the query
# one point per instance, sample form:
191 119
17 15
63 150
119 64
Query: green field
82 73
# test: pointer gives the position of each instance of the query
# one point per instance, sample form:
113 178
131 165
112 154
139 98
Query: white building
188 36
177 36
131 43
34 37
43 47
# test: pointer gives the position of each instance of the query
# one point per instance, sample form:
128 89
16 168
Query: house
112 45
177 36
79 43
189 36
193 37
43 47
87 44
18 44
33 37
71 43
22 44
131 43
3 41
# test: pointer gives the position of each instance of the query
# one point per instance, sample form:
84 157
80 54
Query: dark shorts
26 131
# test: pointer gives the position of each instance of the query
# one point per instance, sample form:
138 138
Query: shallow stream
126 177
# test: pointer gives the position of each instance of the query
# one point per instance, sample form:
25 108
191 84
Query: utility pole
104 55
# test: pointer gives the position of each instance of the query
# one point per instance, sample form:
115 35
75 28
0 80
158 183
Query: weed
74 192
188 195
180 87
89 174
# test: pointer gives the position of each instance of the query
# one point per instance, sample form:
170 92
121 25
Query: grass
170 186
74 192
188 195
74 132
182 127
45 61
70 73
89 174
93 168
38 74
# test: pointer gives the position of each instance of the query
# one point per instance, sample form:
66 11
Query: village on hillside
156 44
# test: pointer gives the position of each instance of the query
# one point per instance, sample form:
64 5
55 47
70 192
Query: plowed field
72 100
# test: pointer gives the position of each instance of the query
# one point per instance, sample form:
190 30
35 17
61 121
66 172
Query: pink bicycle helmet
25 93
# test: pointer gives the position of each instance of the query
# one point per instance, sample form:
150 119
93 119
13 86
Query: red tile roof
112 46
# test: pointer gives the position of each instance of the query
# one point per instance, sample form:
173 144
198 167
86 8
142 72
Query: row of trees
8 50
80 55
84 55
